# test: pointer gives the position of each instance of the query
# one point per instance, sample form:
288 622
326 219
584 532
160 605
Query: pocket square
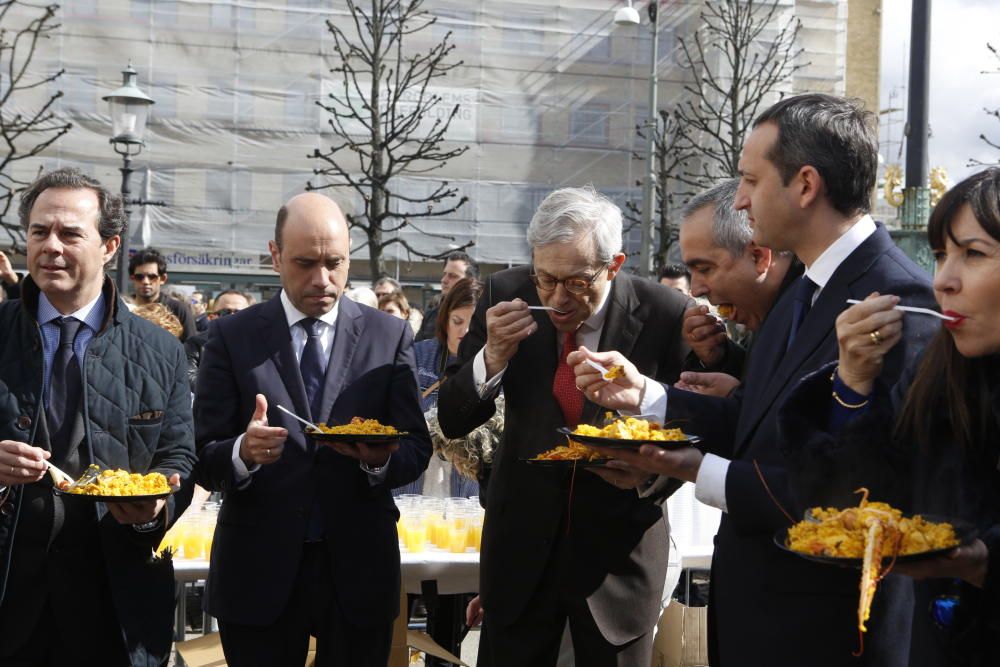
147 416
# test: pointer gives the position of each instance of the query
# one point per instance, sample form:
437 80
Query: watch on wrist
147 527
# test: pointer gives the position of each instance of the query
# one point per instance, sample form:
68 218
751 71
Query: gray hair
730 228
568 215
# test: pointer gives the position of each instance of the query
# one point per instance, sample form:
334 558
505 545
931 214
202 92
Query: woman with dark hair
931 444
433 356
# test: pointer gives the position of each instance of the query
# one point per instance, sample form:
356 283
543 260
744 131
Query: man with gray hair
562 545
740 277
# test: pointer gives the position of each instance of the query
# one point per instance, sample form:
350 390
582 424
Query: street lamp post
129 112
629 16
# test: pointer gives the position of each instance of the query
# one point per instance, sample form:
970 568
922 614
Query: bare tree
671 158
992 143
742 53
28 125
381 117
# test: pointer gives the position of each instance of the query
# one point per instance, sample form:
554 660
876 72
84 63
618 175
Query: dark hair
111 221
464 293
948 383
397 298
279 225
236 292
147 256
836 136
471 267
674 271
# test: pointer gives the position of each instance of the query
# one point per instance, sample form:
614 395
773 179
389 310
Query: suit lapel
348 330
621 330
279 342
818 325
541 350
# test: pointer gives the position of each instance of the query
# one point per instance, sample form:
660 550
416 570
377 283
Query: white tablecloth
455 573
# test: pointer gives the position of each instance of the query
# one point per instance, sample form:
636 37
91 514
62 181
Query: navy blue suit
767 607
262 527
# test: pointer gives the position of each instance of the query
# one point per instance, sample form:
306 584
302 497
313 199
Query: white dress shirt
710 485
299 336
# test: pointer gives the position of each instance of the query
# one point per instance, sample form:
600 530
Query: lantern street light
129 112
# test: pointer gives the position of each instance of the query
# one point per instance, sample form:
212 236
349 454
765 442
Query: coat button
24 422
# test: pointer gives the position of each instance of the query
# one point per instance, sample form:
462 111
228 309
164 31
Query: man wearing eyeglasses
148 270
226 303
564 546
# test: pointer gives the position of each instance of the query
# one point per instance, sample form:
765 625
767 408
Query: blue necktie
312 371
311 366
804 289
65 386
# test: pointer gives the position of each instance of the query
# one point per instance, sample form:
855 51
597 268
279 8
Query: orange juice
457 538
416 536
476 535
193 544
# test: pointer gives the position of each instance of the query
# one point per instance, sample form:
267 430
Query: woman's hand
866 332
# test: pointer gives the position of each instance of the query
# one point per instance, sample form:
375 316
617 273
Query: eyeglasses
547 283
225 311
139 277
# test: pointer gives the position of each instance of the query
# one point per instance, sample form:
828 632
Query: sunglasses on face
225 311
139 277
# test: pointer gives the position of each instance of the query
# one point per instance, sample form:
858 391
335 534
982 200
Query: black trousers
533 639
311 610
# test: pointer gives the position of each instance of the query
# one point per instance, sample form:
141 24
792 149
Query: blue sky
960 30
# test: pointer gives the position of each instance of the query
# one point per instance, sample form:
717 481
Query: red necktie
569 398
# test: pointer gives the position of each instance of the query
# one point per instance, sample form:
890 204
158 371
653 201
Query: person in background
148 270
200 309
84 381
161 316
457 265
395 304
10 282
362 295
741 278
386 285
433 357
929 443
676 276
226 303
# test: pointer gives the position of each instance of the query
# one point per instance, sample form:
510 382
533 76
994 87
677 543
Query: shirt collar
92 314
823 268
294 315
596 321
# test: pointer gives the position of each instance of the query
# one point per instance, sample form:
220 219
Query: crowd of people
799 399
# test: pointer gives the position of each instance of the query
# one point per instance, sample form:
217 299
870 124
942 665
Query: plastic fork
915 309
304 421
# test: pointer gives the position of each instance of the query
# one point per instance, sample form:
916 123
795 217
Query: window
664 47
588 125
598 48
161 12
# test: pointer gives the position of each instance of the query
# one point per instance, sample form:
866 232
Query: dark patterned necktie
569 398
804 289
64 389
311 366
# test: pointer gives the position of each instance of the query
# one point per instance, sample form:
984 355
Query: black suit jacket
261 528
768 607
618 541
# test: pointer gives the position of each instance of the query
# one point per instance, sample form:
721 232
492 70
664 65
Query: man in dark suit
732 272
84 381
306 541
807 173
559 545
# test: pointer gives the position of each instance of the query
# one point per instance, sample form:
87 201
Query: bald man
306 541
